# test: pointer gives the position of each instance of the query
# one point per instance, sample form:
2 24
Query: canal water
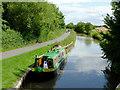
83 69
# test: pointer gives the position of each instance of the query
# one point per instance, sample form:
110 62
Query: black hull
53 73
42 76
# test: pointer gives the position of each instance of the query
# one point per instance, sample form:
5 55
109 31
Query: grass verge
14 67
51 36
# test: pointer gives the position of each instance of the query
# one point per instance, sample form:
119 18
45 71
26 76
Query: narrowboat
51 61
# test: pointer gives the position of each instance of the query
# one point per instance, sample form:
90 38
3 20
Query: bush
46 36
43 36
96 35
11 39
84 27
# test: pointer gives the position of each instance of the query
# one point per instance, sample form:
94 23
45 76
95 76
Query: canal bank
84 68
23 77
15 52
19 64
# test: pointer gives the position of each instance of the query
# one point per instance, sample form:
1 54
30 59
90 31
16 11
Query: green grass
51 36
14 67
71 37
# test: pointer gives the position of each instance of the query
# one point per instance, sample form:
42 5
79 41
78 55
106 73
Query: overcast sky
84 10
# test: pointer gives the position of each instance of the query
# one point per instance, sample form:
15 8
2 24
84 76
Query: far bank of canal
84 68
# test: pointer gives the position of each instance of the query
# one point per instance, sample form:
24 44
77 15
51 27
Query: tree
111 42
88 28
80 27
31 18
70 25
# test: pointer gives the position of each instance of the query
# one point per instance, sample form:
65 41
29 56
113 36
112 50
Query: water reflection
85 66
88 42
88 64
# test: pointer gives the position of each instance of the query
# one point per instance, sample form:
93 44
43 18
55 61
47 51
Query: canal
83 69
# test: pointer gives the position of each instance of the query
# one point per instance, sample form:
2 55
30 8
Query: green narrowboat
49 62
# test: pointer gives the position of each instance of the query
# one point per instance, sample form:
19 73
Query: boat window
49 63
41 62
59 57
55 62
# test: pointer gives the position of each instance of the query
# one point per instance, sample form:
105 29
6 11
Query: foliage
80 27
70 26
45 35
84 28
19 64
96 35
35 21
31 18
10 38
113 79
89 27
111 42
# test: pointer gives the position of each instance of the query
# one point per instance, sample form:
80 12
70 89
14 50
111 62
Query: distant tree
88 28
84 27
70 25
80 27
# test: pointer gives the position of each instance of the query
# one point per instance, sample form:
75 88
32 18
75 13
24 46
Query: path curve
15 52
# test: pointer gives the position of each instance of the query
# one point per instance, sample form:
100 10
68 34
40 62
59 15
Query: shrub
96 35
11 39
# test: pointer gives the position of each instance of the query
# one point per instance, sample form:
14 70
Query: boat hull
52 73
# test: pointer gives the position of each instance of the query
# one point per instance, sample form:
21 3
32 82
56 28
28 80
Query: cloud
93 14
75 1
83 10
68 1
97 9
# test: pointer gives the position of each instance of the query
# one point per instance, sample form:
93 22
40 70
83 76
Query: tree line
86 28
81 27
30 22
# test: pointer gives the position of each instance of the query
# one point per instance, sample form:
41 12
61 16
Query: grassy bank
14 67
15 41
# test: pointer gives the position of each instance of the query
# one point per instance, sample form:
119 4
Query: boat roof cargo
53 54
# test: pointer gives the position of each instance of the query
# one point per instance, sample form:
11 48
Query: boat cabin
50 59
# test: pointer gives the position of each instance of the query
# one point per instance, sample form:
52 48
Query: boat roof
53 54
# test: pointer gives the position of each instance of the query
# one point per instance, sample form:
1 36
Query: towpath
15 52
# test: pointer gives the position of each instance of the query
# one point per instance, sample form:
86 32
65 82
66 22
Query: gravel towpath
15 52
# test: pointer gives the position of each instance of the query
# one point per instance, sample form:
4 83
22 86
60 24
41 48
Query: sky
92 11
